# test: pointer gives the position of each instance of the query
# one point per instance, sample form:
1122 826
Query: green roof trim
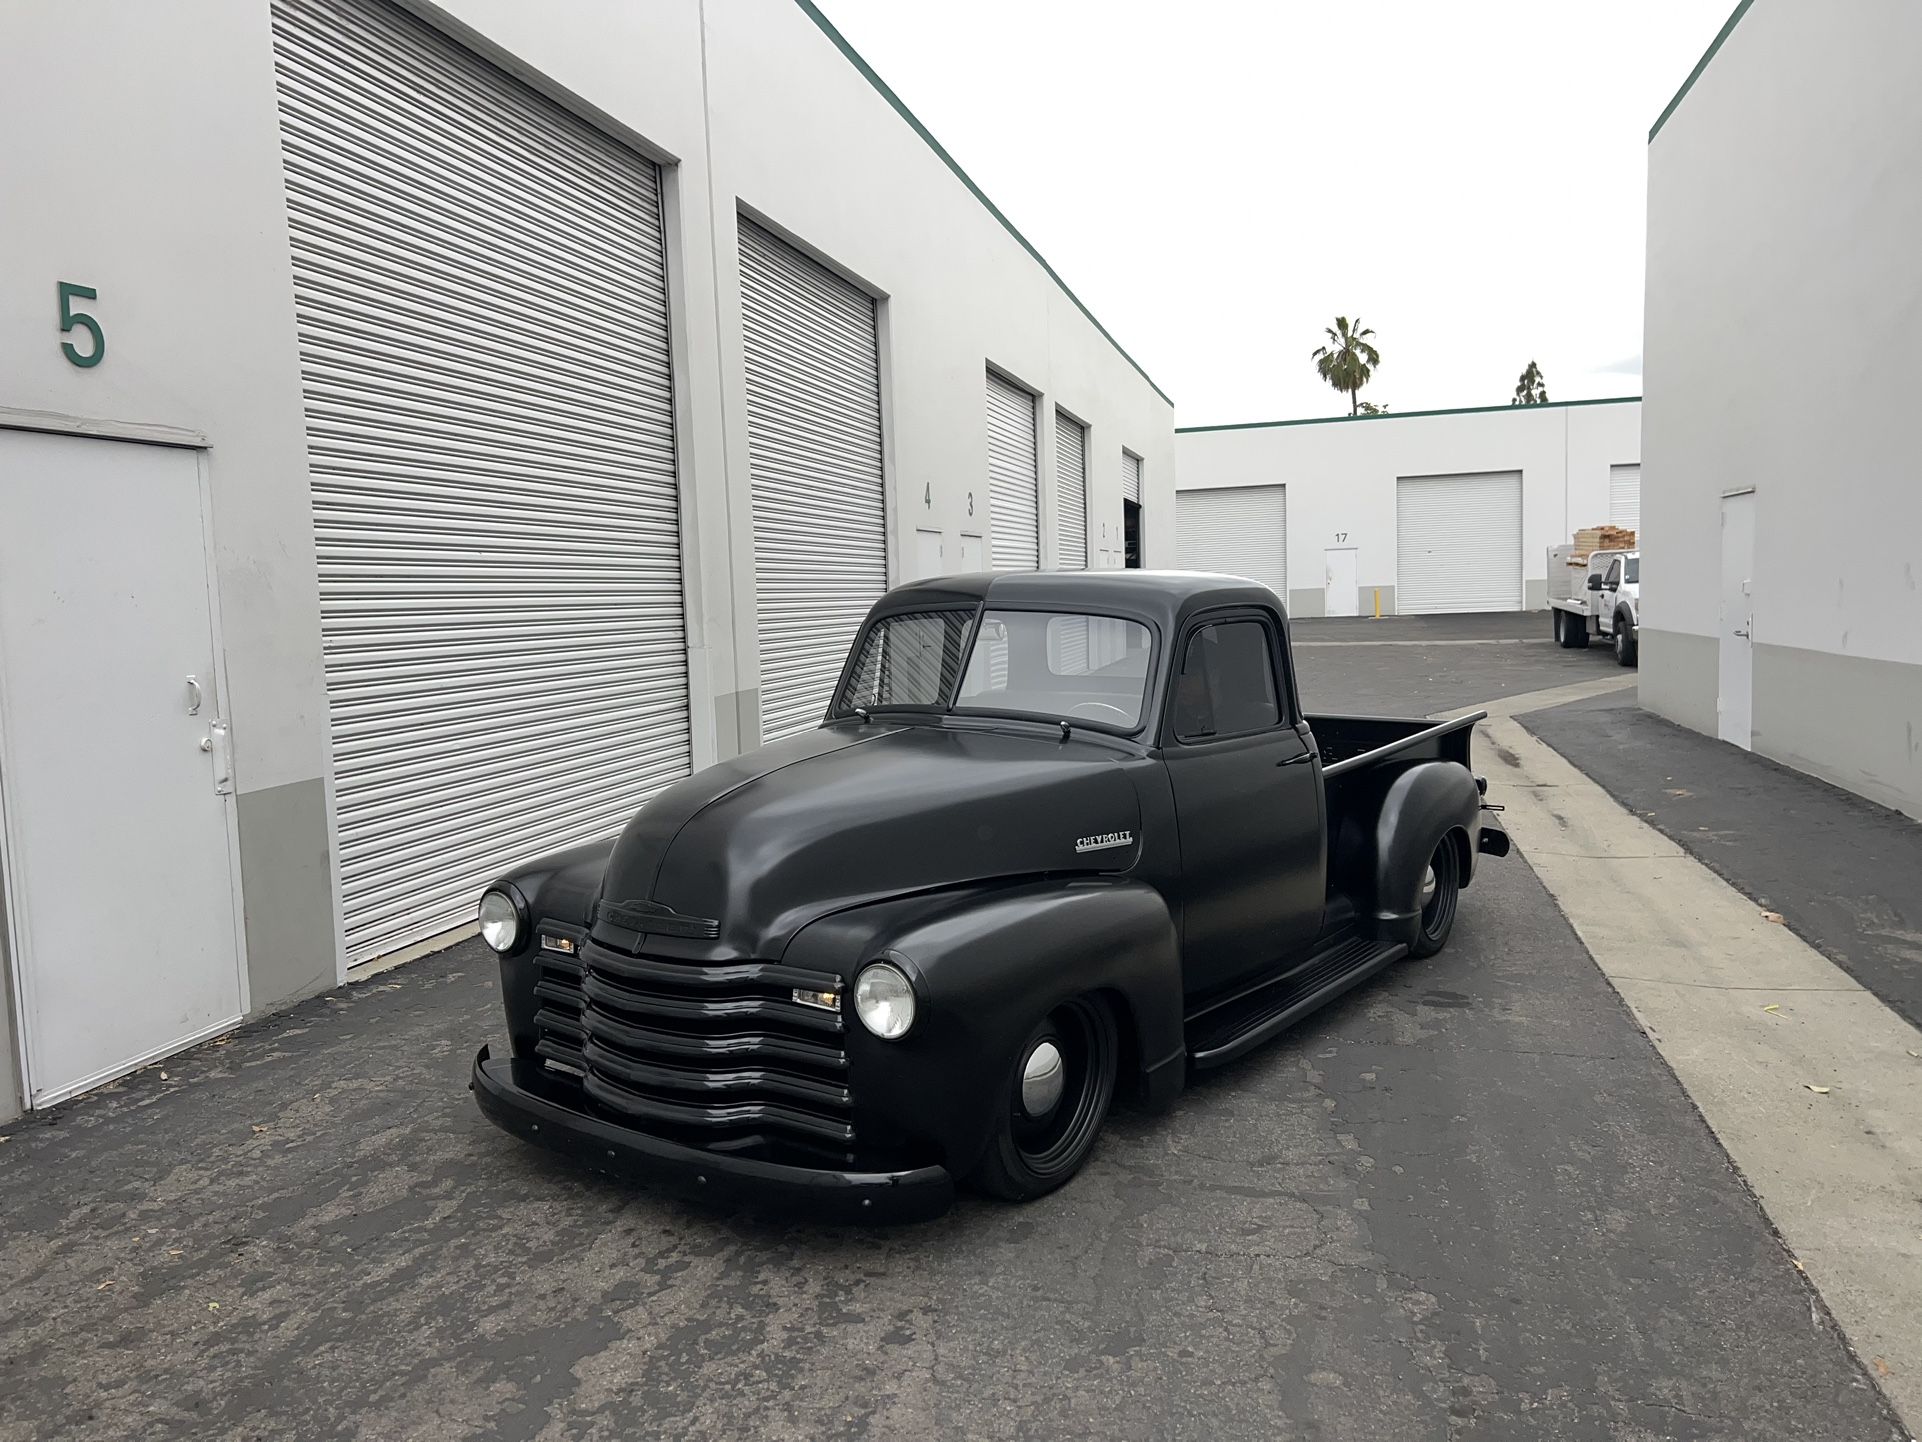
1700 65
840 43
1407 415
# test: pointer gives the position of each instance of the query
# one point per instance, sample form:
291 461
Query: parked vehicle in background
1601 597
1057 836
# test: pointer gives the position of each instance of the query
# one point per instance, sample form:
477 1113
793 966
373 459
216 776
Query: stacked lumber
1600 538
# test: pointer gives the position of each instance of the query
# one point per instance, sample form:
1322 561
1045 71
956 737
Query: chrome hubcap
1042 1080
1428 887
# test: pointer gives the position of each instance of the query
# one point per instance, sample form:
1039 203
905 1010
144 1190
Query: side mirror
1594 583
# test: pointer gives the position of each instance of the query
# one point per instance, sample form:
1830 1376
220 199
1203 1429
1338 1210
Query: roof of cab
1166 597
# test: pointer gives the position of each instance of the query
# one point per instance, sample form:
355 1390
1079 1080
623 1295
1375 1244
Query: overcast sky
1218 179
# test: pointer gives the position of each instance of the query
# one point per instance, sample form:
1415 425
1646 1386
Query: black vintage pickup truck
1057 836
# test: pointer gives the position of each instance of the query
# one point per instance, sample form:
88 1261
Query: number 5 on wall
69 318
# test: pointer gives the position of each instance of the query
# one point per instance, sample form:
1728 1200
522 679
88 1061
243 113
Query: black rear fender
1421 805
988 964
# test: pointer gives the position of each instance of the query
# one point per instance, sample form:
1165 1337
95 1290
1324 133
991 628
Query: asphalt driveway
1470 1201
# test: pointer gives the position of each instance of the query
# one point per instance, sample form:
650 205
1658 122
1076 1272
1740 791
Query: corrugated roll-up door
1014 484
1071 493
1625 496
1458 542
814 448
1235 531
1131 477
481 292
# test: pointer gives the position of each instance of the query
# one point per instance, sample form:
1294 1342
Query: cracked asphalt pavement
1468 1201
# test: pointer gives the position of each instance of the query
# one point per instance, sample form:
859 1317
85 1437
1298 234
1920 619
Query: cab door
1248 803
1605 600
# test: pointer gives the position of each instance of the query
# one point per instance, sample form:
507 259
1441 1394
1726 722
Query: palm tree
1348 361
1531 389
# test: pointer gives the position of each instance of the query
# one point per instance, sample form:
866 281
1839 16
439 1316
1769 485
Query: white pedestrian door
1014 486
1341 588
930 556
1736 658
119 880
1458 543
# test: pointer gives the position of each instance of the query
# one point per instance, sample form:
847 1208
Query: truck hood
764 843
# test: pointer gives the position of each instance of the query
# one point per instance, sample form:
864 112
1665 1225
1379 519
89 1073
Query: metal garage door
1131 477
814 447
494 488
1071 493
1014 487
1235 531
1458 543
1625 496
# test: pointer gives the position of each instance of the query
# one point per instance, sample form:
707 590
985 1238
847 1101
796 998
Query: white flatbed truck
1602 597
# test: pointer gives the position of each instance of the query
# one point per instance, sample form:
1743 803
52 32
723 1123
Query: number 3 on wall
69 318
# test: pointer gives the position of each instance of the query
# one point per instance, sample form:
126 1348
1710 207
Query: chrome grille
720 1055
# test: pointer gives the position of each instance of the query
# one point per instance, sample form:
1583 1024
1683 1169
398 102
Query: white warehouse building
1782 575
1422 511
426 430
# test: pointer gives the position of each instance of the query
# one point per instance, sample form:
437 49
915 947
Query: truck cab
1058 837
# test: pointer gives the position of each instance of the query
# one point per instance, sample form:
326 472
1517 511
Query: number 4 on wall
69 318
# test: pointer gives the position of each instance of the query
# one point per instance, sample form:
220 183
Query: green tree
1348 361
1531 389
1369 408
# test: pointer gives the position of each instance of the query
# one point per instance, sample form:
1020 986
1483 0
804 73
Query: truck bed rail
1355 743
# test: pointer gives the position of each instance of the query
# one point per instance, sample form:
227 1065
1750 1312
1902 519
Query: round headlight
884 1000
500 921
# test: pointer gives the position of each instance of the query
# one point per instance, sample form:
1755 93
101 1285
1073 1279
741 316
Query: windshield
1632 571
910 660
1056 664
1060 665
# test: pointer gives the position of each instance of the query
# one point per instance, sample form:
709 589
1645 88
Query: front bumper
819 1194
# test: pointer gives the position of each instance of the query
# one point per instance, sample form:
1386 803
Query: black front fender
559 891
987 965
1422 804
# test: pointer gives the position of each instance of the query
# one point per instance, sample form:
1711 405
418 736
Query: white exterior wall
143 159
1341 476
1783 352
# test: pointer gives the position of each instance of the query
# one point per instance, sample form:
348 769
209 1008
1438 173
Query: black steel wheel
1053 1102
1441 889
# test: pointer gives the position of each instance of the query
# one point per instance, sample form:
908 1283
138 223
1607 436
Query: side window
1614 576
1227 682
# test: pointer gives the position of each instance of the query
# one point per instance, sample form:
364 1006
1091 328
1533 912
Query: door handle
1300 760
193 696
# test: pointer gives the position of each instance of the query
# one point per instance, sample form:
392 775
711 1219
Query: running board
1222 1033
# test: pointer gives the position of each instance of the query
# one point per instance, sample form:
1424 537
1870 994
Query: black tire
1030 1156
1439 906
1625 640
1575 629
1558 619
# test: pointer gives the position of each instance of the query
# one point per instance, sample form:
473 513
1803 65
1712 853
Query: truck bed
1356 743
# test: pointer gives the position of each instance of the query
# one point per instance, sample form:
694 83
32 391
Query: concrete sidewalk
1811 1082
1844 873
